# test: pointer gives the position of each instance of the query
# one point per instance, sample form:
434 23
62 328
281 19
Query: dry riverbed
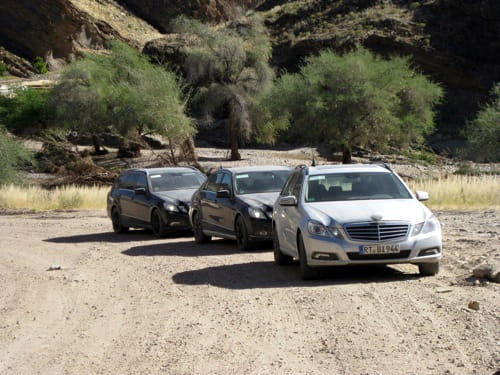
133 304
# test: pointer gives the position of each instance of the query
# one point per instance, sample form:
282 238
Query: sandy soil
133 304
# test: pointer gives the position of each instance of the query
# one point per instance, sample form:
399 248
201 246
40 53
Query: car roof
257 168
151 171
347 168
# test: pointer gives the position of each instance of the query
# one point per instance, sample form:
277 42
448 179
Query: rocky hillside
456 42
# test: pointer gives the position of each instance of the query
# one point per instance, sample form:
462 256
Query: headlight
170 207
430 225
256 213
319 229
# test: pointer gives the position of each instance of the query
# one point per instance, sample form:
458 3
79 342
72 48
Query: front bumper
260 229
176 220
328 251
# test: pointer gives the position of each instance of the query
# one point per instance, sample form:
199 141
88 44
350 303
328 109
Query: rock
484 271
54 267
473 305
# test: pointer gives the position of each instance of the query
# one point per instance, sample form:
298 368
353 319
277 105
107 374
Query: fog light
262 233
324 256
426 252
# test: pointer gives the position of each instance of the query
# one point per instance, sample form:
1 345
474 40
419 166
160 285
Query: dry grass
453 193
69 197
462 192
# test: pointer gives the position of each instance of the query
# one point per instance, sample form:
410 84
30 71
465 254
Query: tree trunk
233 129
189 152
346 154
97 144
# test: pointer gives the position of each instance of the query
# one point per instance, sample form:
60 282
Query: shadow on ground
267 275
191 249
133 235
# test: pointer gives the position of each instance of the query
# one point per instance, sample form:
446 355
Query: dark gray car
237 203
154 198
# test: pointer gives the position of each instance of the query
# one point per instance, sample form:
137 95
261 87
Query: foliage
228 67
357 99
124 91
484 132
24 112
12 158
40 65
3 68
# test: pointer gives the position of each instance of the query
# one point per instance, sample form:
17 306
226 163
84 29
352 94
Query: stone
473 305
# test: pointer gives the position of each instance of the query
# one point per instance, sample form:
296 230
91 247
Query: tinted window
260 182
141 182
296 186
176 180
128 181
355 186
212 182
225 183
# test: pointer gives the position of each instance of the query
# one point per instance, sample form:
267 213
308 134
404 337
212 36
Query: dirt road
133 304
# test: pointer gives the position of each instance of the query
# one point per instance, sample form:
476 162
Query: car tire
158 225
428 269
116 219
241 232
280 259
306 272
199 236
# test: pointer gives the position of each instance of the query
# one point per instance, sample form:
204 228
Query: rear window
260 182
354 186
176 181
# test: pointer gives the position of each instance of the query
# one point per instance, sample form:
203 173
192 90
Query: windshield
260 182
176 181
355 186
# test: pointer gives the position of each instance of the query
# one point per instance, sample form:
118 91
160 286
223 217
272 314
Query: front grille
375 232
357 256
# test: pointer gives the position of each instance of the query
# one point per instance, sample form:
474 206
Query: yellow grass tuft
67 197
461 192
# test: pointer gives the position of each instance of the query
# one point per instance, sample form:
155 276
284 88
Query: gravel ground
134 304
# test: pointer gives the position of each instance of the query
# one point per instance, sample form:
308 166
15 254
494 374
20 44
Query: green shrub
3 68
484 132
40 65
13 158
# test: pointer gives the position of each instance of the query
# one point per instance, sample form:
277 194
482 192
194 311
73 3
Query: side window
296 186
225 183
121 181
211 184
142 181
129 181
287 189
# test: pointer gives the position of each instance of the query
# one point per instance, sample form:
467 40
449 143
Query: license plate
380 249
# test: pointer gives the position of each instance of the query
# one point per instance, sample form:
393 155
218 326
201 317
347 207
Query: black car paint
136 206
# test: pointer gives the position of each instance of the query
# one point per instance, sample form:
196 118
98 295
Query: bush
13 158
40 65
356 99
484 132
24 113
3 68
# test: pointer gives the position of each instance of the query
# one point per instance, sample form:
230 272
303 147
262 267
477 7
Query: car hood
176 195
344 212
260 199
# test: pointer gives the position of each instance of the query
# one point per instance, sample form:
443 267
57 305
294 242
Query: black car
155 198
237 203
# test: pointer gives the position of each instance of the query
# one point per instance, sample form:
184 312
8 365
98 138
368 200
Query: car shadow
267 275
190 249
132 235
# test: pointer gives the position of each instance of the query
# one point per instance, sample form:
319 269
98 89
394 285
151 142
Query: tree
124 91
355 99
484 132
12 158
228 67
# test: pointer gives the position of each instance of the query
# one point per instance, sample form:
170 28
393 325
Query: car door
288 217
226 206
126 193
208 202
141 202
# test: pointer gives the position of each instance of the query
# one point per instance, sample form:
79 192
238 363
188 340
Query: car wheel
306 272
116 219
428 269
157 224
280 259
242 235
199 236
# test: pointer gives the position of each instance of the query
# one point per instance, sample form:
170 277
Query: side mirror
140 191
288 201
422 195
223 194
